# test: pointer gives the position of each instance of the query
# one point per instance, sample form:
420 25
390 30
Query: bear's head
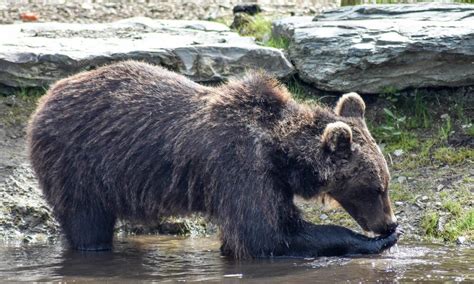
361 177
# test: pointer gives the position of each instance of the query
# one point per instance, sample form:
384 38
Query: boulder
373 48
37 54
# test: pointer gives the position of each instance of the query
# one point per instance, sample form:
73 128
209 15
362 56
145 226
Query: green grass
400 192
429 224
23 104
452 156
455 226
258 27
457 220
420 116
453 207
445 129
299 94
394 132
278 42
223 20
470 130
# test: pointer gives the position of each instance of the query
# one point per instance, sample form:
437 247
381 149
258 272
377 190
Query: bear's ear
350 105
337 137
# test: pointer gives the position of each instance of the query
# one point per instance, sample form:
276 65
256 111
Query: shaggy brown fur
135 141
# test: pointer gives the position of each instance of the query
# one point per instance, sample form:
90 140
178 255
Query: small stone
461 240
398 203
398 152
441 222
87 6
424 198
401 179
444 116
10 101
439 187
323 217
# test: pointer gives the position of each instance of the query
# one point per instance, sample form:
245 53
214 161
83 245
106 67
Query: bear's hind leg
88 228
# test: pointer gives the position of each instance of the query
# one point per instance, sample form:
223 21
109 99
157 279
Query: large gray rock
39 54
371 48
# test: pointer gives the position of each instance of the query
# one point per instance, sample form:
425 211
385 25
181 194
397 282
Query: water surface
167 258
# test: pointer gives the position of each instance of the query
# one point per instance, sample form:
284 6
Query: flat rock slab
37 54
373 48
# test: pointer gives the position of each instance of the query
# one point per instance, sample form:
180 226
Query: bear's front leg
331 240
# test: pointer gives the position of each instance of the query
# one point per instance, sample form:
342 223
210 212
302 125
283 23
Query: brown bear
135 141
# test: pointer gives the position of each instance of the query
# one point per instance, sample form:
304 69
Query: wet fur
135 141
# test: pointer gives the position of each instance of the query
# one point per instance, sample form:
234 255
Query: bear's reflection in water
167 258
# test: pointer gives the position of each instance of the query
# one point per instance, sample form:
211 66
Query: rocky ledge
374 48
37 54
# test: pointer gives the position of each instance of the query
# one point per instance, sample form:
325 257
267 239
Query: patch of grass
20 106
451 156
420 116
390 93
394 134
466 223
445 129
459 226
223 20
452 207
400 192
460 111
258 27
452 220
299 94
278 42
429 223
420 159
470 130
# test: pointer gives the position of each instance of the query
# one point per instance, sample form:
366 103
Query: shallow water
166 258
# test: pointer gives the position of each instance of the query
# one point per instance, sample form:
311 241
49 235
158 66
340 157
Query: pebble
441 222
323 216
401 179
398 152
461 240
